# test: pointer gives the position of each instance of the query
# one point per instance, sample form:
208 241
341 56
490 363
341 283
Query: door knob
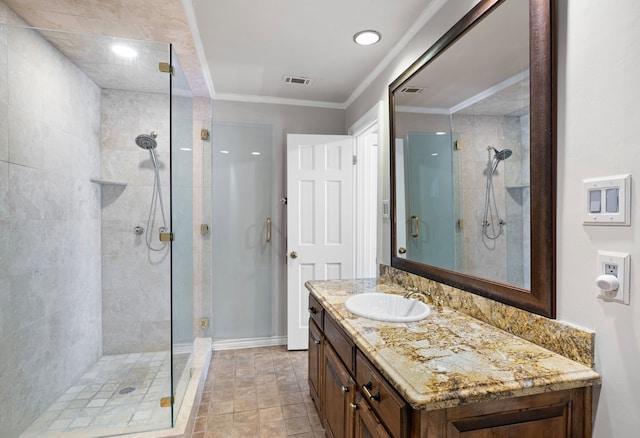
293 255
402 250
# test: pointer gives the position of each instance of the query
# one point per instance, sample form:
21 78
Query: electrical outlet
618 265
611 269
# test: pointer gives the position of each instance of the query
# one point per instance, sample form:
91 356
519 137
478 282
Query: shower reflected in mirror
492 221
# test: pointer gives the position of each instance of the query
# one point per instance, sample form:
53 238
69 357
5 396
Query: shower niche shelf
106 182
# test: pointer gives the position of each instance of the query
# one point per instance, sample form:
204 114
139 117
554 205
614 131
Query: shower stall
96 249
245 307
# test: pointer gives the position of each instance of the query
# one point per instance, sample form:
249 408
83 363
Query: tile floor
257 393
119 394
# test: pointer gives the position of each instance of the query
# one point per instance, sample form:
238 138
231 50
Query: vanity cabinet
389 407
316 359
367 424
338 396
316 352
355 400
554 414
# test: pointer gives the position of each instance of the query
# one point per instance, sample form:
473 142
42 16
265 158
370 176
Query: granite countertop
449 358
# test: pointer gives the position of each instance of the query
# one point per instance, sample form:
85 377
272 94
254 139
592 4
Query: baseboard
237 344
184 348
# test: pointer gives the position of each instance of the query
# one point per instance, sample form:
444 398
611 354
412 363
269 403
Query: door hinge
165 67
457 145
167 237
355 160
166 402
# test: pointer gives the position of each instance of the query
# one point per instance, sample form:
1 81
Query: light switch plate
594 207
617 264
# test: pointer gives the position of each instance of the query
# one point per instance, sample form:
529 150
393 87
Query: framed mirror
473 170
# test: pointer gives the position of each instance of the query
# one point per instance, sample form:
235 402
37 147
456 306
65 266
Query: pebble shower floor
119 394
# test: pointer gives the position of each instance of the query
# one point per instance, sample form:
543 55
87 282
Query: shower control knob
138 231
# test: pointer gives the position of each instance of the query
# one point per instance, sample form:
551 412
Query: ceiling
250 45
242 49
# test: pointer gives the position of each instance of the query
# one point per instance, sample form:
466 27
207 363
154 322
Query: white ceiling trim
490 91
421 110
278 101
427 14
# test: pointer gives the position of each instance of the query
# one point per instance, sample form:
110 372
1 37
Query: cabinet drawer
315 311
340 343
383 399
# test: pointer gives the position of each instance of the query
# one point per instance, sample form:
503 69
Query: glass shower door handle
268 230
415 228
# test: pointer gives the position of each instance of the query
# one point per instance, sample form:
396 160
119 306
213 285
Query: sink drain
127 390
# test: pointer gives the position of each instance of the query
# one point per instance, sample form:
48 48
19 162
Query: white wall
598 121
598 124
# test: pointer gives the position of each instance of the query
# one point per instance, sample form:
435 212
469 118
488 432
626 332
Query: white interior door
319 221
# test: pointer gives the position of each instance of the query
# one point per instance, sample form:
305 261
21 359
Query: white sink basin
387 307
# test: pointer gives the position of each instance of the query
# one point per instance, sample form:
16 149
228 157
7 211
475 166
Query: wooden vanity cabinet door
561 414
338 396
367 424
316 360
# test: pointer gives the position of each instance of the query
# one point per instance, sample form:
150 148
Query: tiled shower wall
135 280
482 256
50 299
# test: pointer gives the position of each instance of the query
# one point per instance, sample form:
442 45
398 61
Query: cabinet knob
344 389
316 341
353 406
312 309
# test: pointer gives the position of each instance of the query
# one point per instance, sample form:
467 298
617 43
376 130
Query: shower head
502 155
147 141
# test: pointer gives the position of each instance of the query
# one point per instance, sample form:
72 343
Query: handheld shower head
147 141
501 155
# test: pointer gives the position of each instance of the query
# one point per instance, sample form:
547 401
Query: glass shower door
242 201
429 183
181 227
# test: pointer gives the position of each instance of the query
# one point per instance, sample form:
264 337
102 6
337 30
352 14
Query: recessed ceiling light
367 37
124 51
185 149
255 153
224 152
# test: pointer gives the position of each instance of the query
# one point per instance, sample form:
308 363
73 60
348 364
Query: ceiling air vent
410 89
300 80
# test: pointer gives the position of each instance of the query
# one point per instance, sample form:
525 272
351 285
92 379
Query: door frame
367 169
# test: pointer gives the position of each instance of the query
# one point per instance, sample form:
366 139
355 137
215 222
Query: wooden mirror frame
541 299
